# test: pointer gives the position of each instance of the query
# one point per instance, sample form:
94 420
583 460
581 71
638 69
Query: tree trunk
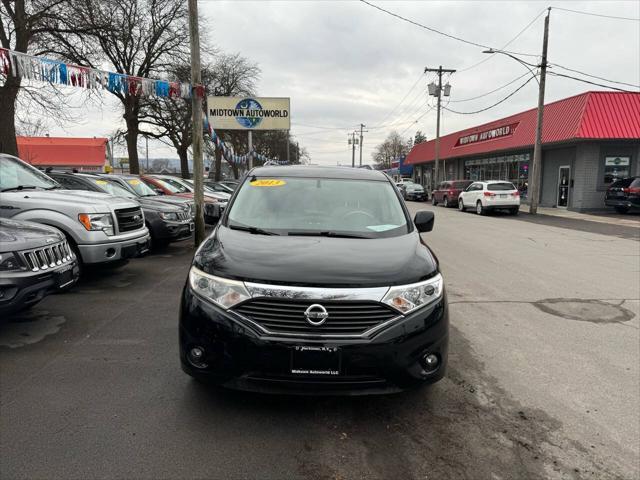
218 175
184 162
8 95
131 111
234 167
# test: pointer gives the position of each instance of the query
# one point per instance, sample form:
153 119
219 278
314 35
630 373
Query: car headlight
169 216
97 222
222 291
407 298
9 262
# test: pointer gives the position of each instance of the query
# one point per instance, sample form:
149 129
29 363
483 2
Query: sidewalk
611 218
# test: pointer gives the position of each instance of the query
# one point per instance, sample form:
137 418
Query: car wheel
434 202
622 209
479 208
445 202
461 205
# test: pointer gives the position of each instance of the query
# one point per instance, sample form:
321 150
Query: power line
418 119
431 29
581 12
403 99
321 127
495 104
505 45
589 82
492 91
594 76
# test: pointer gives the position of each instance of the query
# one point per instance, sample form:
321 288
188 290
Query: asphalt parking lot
543 381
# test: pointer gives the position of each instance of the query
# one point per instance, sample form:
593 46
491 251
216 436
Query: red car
212 206
447 192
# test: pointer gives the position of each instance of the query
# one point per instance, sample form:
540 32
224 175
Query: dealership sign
485 135
249 113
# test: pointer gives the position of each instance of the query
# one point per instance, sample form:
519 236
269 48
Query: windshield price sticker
101 182
267 182
134 182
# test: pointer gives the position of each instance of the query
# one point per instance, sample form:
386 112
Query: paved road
544 377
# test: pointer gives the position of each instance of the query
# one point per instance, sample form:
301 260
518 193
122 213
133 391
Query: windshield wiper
19 187
327 233
55 187
254 230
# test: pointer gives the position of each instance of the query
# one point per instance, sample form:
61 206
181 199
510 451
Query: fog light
430 362
196 357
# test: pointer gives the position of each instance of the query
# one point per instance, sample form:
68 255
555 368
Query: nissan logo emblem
316 314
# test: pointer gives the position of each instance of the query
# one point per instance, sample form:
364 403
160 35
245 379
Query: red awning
63 151
591 115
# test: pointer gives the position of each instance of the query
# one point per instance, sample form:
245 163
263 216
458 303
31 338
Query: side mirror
424 220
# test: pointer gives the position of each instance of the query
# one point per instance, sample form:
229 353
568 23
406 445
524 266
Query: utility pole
250 147
438 93
536 169
352 141
196 120
146 139
361 131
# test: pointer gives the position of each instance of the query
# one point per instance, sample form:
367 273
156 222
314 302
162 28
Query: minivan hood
85 201
316 261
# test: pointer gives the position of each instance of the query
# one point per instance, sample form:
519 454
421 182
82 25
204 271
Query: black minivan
315 280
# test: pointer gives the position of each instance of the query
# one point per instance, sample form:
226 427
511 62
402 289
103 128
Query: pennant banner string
30 67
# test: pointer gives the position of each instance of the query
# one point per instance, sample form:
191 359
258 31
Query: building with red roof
589 141
64 152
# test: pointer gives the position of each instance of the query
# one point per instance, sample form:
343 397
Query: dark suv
447 192
166 223
35 260
316 280
624 194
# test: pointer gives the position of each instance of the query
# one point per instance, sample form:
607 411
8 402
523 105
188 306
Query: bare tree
392 147
145 38
23 27
170 119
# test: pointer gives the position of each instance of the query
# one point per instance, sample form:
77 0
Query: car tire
434 202
480 210
622 209
461 205
445 202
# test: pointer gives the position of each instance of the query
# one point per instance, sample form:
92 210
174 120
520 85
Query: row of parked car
623 195
482 197
53 224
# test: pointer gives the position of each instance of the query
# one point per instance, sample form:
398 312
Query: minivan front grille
129 219
286 317
184 215
51 256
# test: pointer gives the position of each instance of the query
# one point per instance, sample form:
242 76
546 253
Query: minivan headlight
407 298
169 216
97 221
222 291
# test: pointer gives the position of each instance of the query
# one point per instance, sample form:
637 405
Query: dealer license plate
310 360
503 195
191 227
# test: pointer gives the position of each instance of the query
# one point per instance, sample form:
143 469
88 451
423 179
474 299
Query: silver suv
100 228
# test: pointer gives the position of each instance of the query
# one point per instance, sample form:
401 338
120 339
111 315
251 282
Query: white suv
490 195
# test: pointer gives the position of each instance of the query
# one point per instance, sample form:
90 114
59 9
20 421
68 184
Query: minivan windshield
17 175
112 188
318 206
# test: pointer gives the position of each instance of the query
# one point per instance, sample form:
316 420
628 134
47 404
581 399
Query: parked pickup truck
100 228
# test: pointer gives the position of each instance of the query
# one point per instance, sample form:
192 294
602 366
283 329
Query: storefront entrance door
564 175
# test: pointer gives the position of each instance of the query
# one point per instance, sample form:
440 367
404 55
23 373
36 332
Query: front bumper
171 231
19 290
420 196
239 356
113 251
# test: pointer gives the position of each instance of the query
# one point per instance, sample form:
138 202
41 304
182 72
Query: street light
526 65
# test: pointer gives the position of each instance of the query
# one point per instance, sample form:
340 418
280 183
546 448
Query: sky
343 63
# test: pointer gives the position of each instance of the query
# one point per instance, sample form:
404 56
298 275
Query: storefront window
513 168
616 168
